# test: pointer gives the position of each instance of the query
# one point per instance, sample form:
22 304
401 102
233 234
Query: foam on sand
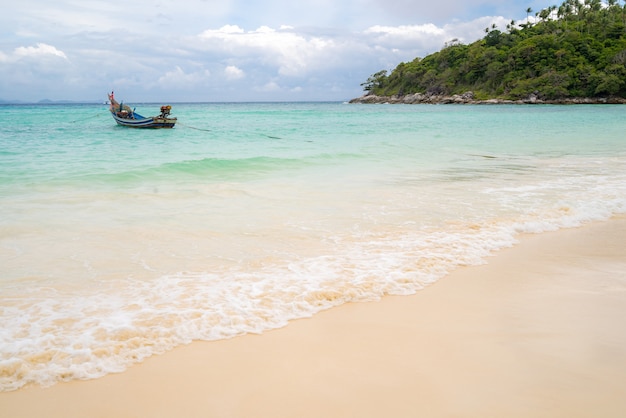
538 331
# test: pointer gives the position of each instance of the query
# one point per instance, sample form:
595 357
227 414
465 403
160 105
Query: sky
226 50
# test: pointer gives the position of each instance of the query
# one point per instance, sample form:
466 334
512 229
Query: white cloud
404 37
221 32
233 73
40 50
311 49
472 30
292 53
180 79
271 86
431 37
406 31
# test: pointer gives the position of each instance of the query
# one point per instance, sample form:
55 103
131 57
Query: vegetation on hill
575 50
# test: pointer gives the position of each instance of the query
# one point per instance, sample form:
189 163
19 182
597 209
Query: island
571 54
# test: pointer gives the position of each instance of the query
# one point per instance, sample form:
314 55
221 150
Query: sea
118 244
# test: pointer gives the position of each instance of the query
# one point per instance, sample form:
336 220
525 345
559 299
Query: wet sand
537 332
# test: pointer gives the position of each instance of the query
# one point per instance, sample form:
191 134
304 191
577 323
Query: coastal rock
417 98
469 98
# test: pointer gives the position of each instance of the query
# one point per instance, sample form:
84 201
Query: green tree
375 81
582 53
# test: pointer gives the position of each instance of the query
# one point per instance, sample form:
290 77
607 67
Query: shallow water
117 244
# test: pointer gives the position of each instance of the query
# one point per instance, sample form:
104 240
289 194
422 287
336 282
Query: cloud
221 32
233 73
38 51
178 78
33 67
271 86
430 36
406 31
404 36
441 12
293 54
226 49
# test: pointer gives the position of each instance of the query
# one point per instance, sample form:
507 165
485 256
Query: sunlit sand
537 332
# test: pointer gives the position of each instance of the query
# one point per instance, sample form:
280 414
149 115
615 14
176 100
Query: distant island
45 102
574 53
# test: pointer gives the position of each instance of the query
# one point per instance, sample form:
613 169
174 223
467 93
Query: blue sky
225 50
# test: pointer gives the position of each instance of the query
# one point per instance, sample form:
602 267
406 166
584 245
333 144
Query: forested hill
576 50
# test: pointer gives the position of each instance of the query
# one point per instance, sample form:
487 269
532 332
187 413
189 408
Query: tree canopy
577 49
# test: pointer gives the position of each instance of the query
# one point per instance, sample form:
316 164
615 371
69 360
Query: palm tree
562 14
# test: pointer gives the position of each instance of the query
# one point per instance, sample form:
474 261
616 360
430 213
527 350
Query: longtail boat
125 116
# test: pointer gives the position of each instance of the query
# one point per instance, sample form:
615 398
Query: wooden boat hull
125 116
154 122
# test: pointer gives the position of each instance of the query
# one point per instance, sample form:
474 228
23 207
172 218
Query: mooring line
192 127
90 117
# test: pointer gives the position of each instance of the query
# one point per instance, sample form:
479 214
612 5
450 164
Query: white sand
538 332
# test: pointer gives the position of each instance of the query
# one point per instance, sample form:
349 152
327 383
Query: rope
191 127
208 130
90 117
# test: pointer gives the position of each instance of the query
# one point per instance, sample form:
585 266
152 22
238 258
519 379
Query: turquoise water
118 244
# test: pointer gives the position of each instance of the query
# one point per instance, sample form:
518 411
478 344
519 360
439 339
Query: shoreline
538 331
469 98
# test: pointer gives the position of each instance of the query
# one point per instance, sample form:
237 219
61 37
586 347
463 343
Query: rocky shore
469 98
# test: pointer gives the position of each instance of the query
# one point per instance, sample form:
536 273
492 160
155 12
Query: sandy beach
537 332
